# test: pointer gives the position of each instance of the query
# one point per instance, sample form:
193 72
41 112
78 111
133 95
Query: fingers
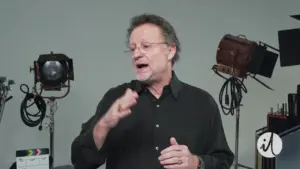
173 141
124 113
170 155
128 99
119 109
174 159
175 166
122 105
175 156
176 147
170 161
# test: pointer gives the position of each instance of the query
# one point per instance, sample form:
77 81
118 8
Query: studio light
53 71
240 58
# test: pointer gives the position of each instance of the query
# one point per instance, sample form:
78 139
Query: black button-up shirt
184 112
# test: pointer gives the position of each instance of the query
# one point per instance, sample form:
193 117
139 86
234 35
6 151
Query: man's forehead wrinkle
147 33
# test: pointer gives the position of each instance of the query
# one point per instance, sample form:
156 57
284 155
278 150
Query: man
156 121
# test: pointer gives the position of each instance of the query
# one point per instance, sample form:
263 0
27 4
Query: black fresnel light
53 71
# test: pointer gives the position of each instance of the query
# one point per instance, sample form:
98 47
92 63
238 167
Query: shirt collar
175 85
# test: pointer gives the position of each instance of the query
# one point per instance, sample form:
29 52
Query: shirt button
156 148
157 105
157 126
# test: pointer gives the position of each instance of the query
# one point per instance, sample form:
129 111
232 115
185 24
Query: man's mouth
141 66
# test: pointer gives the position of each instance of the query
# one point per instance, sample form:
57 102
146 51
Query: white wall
93 34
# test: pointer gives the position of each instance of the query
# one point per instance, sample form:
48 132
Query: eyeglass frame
151 44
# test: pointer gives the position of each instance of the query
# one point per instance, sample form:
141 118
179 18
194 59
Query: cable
232 90
3 93
40 103
3 99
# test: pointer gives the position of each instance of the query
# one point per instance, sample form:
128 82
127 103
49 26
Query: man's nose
136 53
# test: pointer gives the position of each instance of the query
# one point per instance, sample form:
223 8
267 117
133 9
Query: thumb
173 141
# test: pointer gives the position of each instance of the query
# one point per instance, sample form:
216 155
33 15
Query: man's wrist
199 162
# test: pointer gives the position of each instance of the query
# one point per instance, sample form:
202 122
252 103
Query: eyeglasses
144 47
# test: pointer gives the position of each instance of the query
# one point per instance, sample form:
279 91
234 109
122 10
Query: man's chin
143 78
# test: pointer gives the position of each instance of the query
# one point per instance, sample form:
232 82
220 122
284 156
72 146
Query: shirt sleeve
219 155
84 153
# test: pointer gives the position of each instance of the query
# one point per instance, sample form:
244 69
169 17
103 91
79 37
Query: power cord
3 95
232 90
4 90
28 118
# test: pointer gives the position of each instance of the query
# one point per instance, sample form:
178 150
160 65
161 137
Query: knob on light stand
53 72
4 90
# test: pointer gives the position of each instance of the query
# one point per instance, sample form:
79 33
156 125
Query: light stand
241 58
237 87
4 90
237 126
52 103
53 72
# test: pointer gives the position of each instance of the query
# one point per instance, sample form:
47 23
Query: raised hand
120 109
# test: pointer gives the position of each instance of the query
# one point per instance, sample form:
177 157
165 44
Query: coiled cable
32 119
232 90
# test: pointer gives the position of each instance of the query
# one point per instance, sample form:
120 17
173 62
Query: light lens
52 70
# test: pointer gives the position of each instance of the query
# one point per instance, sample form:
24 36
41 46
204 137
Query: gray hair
167 30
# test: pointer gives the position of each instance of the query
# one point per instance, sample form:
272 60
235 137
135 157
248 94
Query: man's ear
171 52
